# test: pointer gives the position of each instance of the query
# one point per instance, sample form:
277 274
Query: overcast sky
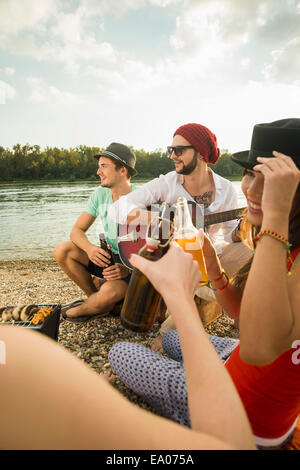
95 71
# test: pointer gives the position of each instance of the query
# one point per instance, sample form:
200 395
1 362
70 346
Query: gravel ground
30 281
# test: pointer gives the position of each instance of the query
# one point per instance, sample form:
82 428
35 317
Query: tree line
30 162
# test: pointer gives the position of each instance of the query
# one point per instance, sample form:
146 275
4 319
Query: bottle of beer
96 270
187 236
142 300
106 247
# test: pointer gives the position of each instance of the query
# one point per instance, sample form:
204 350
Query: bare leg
54 401
73 262
102 301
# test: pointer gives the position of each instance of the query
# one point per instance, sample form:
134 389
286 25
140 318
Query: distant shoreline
88 181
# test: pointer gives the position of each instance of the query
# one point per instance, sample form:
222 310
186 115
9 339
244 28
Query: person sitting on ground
193 148
80 259
55 401
265 295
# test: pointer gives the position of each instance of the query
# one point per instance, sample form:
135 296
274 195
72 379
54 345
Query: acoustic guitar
131 238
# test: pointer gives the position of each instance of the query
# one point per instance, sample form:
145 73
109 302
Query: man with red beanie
193 147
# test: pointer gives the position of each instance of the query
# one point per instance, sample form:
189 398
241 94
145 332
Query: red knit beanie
202 139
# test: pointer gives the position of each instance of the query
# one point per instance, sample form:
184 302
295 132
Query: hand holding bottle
115 272
99 256
175 274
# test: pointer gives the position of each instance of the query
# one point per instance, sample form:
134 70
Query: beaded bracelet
218 279
278 237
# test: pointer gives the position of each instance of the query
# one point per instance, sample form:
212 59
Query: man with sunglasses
194 146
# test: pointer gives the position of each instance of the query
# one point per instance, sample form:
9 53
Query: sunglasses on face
178 149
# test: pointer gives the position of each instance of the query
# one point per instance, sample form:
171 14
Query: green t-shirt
98 205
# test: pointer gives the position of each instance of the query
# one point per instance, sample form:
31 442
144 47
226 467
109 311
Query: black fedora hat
122 154
282 136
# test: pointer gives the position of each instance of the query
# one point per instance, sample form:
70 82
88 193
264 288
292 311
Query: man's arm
78 235
79 238
131 209
140 217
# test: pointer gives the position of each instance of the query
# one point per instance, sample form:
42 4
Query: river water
34 218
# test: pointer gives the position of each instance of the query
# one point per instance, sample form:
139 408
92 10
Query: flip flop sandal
82 318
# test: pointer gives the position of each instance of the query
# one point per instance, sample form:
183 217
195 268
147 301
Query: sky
92 72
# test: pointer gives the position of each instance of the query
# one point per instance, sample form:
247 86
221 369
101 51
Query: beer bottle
187 236
142 300
106 247
96 270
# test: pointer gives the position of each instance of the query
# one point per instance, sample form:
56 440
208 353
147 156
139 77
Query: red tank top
270 394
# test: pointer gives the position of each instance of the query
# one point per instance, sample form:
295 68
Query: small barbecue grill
48 327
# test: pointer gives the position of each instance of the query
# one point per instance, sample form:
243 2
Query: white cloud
40 92
215 37
7 92
285 66
16 16
9 71
117 7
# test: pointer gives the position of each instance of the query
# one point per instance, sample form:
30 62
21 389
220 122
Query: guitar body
131 238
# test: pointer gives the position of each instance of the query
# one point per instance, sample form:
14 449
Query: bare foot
77 312
109 376
156 344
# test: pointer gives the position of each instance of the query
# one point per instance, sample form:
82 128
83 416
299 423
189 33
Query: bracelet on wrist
222 275
278 237
218 278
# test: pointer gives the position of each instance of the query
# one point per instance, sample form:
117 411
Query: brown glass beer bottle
106 247
142 300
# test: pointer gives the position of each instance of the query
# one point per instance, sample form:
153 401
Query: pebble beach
41 281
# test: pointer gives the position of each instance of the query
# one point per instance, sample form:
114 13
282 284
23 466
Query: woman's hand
98 256
175 274
281 179
212 262
115 272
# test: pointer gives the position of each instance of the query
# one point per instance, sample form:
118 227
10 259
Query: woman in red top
265 365
265 295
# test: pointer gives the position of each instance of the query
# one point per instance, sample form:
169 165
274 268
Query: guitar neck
211 219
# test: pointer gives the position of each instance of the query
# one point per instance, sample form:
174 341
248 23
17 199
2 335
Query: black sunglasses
178 149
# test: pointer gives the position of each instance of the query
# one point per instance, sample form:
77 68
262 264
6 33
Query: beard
189 168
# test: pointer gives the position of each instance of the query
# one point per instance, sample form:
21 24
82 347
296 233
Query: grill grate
49 326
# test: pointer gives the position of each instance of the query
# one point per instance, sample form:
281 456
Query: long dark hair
249 231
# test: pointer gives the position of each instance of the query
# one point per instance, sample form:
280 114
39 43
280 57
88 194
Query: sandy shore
29 281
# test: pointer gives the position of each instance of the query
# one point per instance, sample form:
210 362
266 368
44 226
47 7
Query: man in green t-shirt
80 259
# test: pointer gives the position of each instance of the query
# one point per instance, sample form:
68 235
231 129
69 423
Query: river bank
91 180
29 281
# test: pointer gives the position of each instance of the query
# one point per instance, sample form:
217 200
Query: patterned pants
160 380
